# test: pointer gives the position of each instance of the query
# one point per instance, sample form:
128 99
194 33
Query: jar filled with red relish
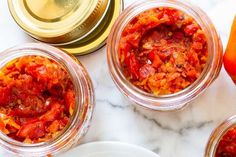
162 53
222 142
46 100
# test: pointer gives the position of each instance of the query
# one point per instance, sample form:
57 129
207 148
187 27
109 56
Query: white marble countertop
175 134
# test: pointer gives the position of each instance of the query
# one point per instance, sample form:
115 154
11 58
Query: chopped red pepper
32 130
230 53
69 96
37 98
146 71
133 65
163 51
191 29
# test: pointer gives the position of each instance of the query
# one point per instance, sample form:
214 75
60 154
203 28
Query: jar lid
58 22
98 36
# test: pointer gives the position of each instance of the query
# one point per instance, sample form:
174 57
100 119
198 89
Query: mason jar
180 99
84 102
217 136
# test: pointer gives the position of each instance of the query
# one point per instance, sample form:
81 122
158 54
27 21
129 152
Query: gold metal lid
58 22
97 37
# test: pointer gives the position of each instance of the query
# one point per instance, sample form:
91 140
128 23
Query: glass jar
172 101
217 135
84 102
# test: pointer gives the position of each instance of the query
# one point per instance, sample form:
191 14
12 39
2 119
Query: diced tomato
199 36
133 65
52 114
191 29
64 121
227 144
32 130
56 89
146 70
157 62
151 56
25 113
162 51
133 39
70 101
197 45
173 76
164 54
32 90
3 127
5 95
192 73
173 15
156 36
54 127
178 35
11 129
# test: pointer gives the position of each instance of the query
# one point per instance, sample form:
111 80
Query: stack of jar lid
77 26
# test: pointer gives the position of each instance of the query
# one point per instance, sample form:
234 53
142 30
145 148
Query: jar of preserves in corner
222 141
46 100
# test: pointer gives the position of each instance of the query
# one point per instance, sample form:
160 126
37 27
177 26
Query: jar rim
84 96
148 100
